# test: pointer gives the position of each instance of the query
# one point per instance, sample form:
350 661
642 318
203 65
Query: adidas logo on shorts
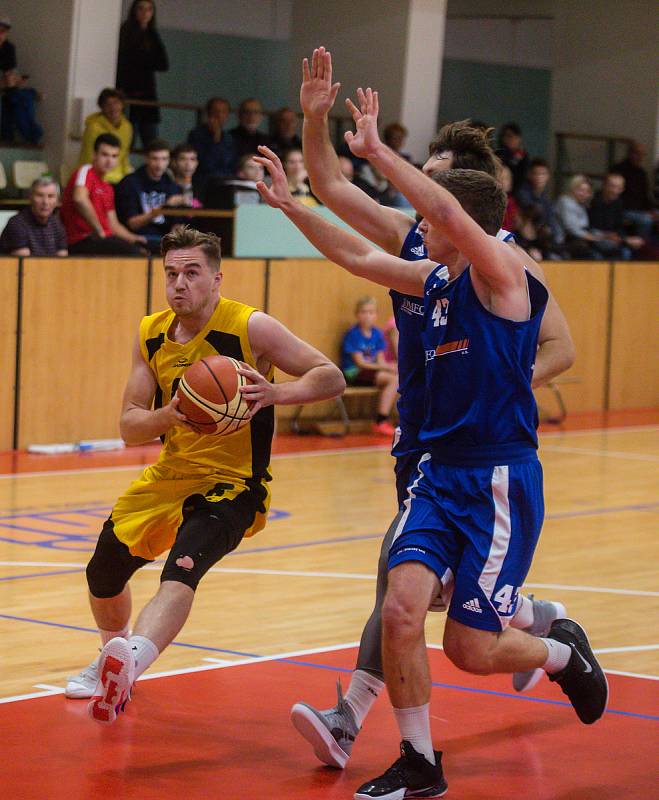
473 605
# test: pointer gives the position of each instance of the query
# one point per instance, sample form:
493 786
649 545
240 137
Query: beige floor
598 554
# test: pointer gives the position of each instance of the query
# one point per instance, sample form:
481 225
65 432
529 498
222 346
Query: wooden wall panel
9 290
582 291
316 300
80 317
634 381
243 280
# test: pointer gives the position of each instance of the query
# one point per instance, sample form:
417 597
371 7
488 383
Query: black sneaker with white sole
582 680
411 776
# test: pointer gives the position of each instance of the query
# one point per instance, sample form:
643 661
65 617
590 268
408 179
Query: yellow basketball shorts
147 516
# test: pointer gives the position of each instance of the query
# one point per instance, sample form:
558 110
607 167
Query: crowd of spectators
110 208
616 222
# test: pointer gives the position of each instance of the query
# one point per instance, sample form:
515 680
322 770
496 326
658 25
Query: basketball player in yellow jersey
205 492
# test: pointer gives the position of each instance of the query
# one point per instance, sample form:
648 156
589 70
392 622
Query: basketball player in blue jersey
475 507
332 732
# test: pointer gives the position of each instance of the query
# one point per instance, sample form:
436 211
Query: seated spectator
183 166
394 136
110 119
296 172
227 193
511 217
363 364
18 100
572 213
88 211
246 135
347 168
37 230
607 218
536 208
636 199
142 195
214 146
284 132
512 153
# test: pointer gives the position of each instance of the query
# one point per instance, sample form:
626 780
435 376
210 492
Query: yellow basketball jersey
242 456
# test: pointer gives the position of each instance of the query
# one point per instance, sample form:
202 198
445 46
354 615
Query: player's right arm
86 210
384 226
139 423
340 246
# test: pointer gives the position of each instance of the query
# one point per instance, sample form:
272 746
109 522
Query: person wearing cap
17 99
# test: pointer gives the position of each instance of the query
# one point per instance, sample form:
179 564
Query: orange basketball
209 397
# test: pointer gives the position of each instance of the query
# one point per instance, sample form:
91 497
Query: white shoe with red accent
117 673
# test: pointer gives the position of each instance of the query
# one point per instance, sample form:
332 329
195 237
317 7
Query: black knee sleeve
112 564
203 539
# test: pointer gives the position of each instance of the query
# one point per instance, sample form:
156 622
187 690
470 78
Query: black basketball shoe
411 776
582 680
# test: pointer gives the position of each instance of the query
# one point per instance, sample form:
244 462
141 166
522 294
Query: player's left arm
349 251
496 265
273 344
556 350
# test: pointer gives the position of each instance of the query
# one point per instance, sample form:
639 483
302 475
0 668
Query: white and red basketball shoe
116 668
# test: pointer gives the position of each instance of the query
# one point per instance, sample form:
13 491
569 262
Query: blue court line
42 574
297 663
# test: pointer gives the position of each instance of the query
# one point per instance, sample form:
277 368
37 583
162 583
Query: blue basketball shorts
405 469
476 528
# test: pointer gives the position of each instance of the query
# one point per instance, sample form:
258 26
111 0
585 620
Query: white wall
260 19
92 64
422 74
605 69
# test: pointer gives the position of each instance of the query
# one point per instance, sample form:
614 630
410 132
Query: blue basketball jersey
480 409
408 314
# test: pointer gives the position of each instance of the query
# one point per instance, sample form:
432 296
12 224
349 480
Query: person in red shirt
88 210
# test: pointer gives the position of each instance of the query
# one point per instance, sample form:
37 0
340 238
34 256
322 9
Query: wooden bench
350 393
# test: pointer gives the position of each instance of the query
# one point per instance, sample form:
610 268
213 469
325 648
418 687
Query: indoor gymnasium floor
278 620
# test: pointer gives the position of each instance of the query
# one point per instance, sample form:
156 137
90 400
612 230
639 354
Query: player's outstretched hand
318 93
366 139
259 392
278 194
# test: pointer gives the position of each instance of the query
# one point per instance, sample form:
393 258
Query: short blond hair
365 301
184 237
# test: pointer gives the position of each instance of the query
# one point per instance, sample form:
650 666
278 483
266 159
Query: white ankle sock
362 693
107 635
145 653
558 655
524 615
414 726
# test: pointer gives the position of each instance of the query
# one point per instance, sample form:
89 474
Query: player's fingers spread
362 100
335 91
306 74
376 103
352 108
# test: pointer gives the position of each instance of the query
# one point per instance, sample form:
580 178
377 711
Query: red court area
225 734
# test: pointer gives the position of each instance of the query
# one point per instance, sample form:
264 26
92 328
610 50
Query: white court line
127 467
52 690
587 451
354 576
318 453
591 431
631 649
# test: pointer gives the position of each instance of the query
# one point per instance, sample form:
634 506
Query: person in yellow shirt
205 492
110 119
